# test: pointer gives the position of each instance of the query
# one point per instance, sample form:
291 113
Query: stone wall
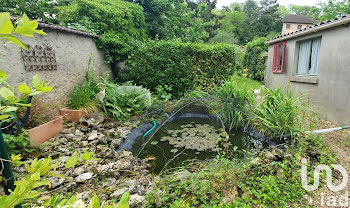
72 52
293 27
330 90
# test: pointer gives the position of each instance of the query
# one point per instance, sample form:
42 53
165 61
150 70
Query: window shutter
275 53
278 64
283 56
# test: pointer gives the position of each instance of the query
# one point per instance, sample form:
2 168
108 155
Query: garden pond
184 139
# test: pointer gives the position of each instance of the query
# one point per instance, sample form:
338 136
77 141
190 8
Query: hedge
253 59
183 66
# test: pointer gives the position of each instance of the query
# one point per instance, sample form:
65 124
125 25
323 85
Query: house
293 22
315 61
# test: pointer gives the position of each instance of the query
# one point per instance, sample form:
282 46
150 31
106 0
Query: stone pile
110 175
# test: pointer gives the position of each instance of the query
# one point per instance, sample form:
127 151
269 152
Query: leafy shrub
18 144
278 112
163 92
234 97
253 58
125 100
179 65
83 95
117 21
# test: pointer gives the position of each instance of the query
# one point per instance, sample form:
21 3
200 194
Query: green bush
278 112
123 101
235 96
181 66
118 22
253 59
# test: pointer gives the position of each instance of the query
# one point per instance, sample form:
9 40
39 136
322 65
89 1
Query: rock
136 200
77 139
125 154
56 181
118 193
67 131
85 143
78 133
69 136
122 165
83 177
78 171
269 156
63 159
93 135
85 196
115 143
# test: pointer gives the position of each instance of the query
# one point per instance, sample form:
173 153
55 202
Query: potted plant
84 98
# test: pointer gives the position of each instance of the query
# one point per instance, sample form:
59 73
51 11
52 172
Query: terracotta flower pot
71 115
46 131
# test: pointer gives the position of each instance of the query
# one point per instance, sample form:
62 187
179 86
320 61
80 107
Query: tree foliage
43 10
118 22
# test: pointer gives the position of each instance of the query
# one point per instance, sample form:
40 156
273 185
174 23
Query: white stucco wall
331 93
72 52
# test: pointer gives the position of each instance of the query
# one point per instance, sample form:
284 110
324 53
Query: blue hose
154 126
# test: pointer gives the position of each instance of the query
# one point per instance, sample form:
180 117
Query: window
308 57
288 26
299 27
279 52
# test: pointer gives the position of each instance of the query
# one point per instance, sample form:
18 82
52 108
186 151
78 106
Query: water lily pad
174 150
154 143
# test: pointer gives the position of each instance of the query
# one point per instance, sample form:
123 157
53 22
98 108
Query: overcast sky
283 2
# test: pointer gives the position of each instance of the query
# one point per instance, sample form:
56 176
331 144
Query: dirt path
339 143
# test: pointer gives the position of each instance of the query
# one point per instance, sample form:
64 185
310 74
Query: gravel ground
339 143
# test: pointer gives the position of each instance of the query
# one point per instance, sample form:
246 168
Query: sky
283 2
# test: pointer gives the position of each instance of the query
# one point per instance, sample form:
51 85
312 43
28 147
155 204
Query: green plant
18 144
123 101
278 112
253 59
83 95
197 93
163 92
29 188
235 97
118 22
180 65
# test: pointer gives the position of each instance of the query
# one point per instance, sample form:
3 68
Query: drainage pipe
320 131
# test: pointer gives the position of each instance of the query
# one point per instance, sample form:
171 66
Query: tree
234 22
334 9
43 10
309 11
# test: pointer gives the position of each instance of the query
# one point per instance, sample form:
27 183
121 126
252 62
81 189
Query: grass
246 82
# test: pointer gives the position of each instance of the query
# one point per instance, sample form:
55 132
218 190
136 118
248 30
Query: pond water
191 138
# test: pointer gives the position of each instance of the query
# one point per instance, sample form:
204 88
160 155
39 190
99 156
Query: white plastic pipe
321 131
